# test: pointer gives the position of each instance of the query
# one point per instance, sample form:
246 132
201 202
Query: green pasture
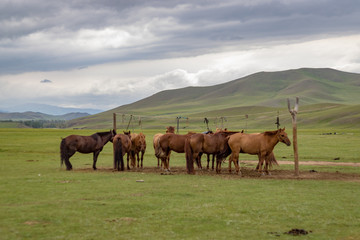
39 199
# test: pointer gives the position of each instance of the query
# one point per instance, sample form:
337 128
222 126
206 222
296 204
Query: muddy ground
248 172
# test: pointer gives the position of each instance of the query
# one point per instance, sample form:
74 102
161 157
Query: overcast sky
103 54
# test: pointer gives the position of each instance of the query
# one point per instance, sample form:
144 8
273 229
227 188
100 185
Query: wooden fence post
114 127
114 121
293 113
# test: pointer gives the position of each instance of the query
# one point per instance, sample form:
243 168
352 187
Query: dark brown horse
156 137
121 146
200 143
170 142
84 144
138 145
261 144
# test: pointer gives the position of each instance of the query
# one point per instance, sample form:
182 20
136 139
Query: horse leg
142 158
267 168
218 165
67 163
267 165
133 159
138 160
197 157
237 165
167 161
127 159
261 161
230 160
95 157
67 159
213 160
234 157
163 162
208 161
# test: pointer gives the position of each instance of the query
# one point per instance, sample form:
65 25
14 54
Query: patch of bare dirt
317 163
246 172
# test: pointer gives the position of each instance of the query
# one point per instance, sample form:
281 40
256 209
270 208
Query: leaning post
293 113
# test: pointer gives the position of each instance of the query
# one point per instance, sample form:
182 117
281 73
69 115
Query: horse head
128 133
170 129
282 136
113 133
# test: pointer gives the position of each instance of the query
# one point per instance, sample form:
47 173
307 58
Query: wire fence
194 123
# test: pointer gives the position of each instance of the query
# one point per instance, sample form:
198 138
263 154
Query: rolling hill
319 91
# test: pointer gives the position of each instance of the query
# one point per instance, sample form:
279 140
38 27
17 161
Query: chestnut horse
200 143
156 137
84 144
121 146
138 145
261 144
170 142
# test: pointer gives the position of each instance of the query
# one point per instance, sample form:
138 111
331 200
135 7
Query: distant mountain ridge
47 109
24 116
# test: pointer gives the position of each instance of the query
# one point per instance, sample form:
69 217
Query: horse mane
102 133
270 133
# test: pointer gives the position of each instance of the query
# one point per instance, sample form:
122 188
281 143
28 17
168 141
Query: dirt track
318 163
248 172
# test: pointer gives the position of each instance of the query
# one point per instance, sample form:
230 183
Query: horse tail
63 152
118 154
272 160
189 156
159 153
226 151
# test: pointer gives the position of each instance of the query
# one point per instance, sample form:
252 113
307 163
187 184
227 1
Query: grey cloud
196 27
46 81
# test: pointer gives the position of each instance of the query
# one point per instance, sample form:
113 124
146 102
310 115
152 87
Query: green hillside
328 98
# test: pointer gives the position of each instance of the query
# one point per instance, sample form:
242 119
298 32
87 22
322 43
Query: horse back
172 141
83 144
246 143
196 142
138 142
125 142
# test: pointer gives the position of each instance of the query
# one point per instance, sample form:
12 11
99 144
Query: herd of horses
219 145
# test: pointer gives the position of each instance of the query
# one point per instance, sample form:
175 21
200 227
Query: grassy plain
40 200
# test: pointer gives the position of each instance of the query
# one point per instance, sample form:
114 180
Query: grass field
41 200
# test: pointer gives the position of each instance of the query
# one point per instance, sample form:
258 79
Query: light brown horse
138 145
84 144
170 142
121 145
200 143
261 144
169 129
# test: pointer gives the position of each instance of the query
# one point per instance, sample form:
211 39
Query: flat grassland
41 200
